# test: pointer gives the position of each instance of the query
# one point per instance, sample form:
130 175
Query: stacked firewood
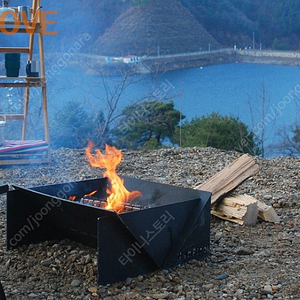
241 209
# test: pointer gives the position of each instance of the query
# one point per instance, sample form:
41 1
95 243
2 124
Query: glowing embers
102 203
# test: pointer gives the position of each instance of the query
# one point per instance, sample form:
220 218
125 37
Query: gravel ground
260 262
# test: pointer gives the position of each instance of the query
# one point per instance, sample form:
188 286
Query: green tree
221 132
147 125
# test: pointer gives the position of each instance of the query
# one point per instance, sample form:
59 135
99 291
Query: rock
46 262
264 253
140 278
32 295
161 296
76 283
222 276
218 235
128 281
87 259
276 288
93 289
243 251
21 275
176 280
267 289
190 181
179 288
208 286
240 291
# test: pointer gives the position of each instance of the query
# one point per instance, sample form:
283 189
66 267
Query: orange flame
118 194
90 194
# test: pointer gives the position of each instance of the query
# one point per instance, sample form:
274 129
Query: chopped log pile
241 209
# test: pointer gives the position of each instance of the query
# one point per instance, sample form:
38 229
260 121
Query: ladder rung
14 49
13 117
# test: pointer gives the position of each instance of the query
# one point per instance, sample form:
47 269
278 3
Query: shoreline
95 64
283 58
201 59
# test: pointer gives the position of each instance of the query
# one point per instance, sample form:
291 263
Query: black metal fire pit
165 227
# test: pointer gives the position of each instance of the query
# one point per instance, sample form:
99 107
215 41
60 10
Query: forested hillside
155 28
274 24
278 21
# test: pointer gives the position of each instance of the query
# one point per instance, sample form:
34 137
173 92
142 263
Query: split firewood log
230 177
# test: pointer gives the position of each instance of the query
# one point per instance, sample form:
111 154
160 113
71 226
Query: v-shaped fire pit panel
171 226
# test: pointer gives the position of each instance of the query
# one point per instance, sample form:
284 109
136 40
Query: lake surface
265 97
239 90
231 89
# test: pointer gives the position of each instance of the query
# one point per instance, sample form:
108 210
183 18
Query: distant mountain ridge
261 24
153 28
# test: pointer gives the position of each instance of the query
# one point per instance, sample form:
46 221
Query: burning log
103 204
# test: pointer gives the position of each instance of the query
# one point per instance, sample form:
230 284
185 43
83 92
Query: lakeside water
228 88
238 90
231 89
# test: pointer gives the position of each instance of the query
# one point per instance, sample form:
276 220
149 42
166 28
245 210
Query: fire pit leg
28 219
2 294
197 231
119 254
137 243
